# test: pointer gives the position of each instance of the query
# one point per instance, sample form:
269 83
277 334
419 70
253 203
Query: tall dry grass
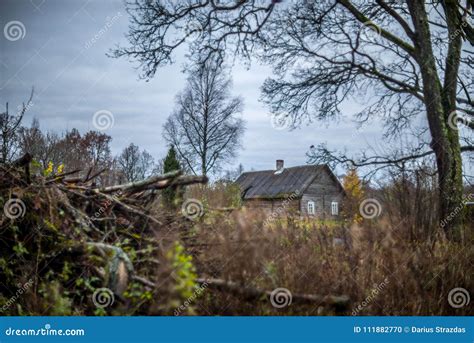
411 277
385 266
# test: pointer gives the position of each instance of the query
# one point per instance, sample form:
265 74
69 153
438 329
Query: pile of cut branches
63 236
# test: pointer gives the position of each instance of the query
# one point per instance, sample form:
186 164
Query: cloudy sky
60 48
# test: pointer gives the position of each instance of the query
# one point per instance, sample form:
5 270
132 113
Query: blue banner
236 329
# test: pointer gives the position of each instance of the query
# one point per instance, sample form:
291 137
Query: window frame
334 208
313 207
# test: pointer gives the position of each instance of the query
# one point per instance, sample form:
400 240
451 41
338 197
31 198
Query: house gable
322 192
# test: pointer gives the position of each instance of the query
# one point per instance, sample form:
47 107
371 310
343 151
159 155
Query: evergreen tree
171 195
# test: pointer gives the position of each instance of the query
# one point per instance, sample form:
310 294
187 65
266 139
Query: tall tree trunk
439 103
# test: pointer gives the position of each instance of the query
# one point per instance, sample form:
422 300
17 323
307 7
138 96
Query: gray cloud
63 55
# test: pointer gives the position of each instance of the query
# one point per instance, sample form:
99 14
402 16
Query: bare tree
33 141
204 127
9 130
418 63
232 174
135 164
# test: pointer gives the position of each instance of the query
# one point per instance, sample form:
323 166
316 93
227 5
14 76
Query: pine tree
171 195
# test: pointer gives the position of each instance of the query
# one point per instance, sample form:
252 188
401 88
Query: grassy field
228 262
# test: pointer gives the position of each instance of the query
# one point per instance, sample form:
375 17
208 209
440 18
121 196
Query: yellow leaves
354 192
49 170
60 169
352 184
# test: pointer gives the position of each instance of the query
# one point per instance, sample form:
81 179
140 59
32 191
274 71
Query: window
310 207
334 208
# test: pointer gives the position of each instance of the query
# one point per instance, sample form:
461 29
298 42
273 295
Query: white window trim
311 207
334 208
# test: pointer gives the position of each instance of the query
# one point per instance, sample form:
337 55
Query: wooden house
310 190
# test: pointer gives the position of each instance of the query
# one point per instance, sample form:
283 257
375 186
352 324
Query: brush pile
62 237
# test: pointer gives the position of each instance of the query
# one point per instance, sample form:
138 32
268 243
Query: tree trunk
439 103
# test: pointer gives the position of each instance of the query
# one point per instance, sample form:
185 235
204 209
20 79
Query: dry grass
379 264
411 277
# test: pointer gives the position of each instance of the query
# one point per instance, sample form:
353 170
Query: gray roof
267 184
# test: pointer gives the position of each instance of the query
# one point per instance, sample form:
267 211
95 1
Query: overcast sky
61 51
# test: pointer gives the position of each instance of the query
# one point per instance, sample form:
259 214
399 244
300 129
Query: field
223 259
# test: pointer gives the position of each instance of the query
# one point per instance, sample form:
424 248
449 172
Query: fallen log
223 209
139 185
340 302
250 293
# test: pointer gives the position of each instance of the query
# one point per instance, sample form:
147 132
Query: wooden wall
273 205
322 191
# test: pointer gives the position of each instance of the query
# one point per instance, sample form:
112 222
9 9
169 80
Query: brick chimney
280 164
